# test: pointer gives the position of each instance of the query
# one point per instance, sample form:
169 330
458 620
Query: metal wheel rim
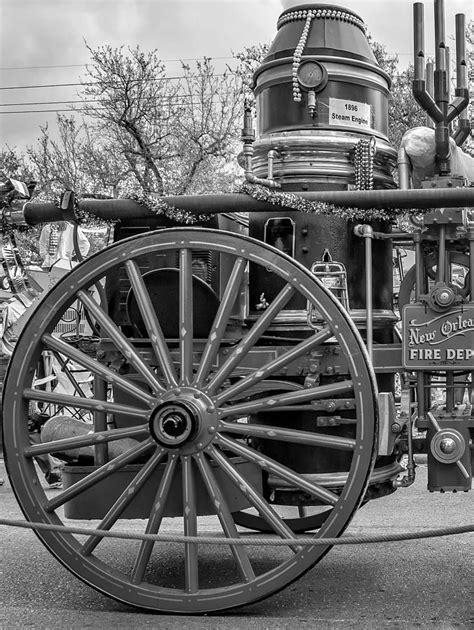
21 469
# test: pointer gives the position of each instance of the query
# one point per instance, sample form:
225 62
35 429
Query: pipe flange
448 446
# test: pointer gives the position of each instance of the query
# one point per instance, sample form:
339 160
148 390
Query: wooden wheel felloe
194 455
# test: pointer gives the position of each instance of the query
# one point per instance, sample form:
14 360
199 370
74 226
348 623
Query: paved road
414 584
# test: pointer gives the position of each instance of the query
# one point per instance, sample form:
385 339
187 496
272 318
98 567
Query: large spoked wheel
186 406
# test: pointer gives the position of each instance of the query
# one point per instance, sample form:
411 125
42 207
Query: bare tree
58 163
134 106
104 166
168 129
13 164
250 58
208 125
76 159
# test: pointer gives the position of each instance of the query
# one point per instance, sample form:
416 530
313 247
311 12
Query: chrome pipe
442 271
419 41
367 233
429 88
461 65
404 168
440 36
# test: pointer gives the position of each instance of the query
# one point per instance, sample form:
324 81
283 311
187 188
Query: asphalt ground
411 584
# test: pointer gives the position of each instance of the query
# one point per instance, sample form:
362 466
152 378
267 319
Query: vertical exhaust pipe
439 108
464 126
421 94
419 39
441 89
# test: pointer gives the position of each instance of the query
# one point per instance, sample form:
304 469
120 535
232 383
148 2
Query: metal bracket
389 427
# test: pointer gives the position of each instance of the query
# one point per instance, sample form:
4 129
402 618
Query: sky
43 42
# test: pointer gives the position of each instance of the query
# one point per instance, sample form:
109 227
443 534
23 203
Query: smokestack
320 92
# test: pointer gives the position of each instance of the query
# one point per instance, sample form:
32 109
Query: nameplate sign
443 341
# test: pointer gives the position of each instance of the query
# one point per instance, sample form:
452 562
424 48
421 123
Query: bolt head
447 445
444 296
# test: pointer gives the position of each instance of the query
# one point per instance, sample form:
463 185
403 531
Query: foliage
76 160
249 60
15 165
403 111
168 132
207 127
133 105
468 146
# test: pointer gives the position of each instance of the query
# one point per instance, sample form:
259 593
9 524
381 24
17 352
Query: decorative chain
53 240
364 163
299 53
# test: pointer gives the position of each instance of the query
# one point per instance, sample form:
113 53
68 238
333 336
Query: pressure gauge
312 75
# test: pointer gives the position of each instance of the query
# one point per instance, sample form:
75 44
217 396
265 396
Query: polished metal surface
320 156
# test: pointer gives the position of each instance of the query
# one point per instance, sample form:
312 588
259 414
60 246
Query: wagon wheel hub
185 420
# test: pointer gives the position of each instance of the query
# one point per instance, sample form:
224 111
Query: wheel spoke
152 324
121 342
291 398
64 368
281 471
225 517
98 368
90 439
265 371
101 473
186 316
253 496
154 522
66 400
123 501
190 526
221 319
289 435
242 348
